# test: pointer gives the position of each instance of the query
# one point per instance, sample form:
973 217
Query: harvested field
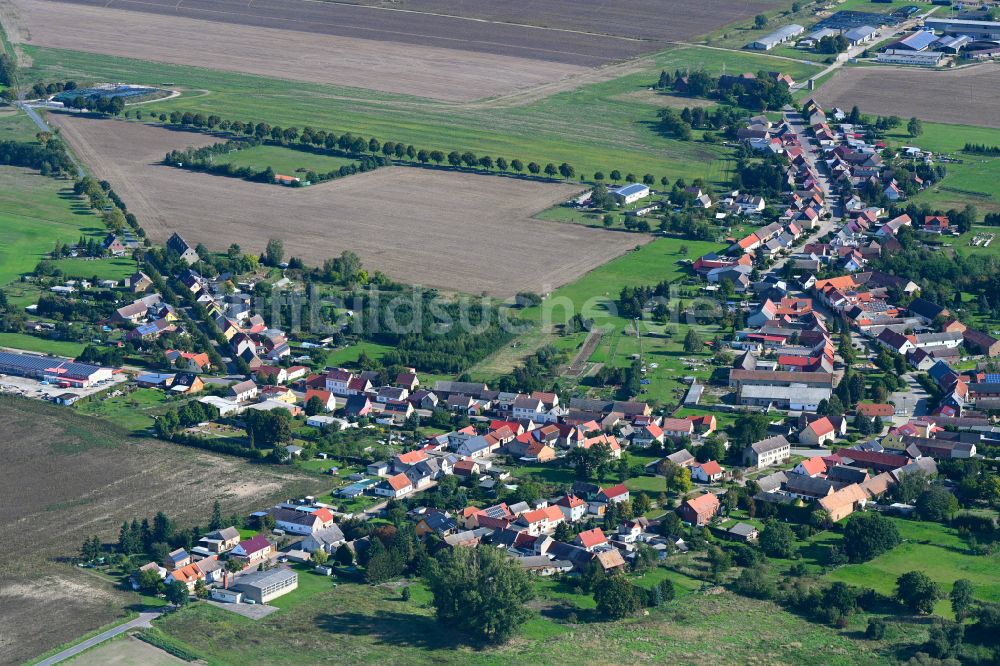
67 477
432 68
637 19
445 229
966 96
126 652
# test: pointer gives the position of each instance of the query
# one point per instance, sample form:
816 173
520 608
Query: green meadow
35 212
288 161
601 126
976 180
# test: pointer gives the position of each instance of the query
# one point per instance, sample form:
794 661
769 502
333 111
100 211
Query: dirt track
355 60
967 96
455 231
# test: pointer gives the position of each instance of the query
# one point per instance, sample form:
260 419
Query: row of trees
202 159
357 145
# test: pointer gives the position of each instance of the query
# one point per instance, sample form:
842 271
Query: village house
767 452
699 510
707 472
253 550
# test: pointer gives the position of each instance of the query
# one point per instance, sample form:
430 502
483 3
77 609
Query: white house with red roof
707 472
812 467
326 398
590 540
677 428
395 486
615 494
818 433
573 508
540 521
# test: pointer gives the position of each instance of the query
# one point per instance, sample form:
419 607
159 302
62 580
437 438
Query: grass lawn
104 269
35 212
936 550
975 181
43 345
133 411
16 126
596 127
594 296
350 354
359 623
283 160
963 244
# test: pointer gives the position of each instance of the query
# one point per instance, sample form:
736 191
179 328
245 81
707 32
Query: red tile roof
591 538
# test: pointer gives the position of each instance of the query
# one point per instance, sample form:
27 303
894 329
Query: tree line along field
596 126
87 475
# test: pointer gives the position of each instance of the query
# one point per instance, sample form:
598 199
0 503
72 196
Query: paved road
140 622
912 402
809 453
812 155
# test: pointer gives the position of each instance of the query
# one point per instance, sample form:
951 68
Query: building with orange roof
707 472
540 521
700 510
818 433
812 467
591 539
188 575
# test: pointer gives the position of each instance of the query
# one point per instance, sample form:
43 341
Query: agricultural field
378 42
420 226
433 68
359 624
59 463
283 160
963 97
594 123
125 651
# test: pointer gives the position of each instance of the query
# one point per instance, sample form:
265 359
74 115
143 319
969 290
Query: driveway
141 622
910 403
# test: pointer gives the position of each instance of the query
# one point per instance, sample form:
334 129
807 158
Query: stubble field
967 96
353 59
454 231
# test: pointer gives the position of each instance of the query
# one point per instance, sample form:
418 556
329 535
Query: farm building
860 35
630 193
916 41
779 36
53 369
987 30
263 586
919 58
